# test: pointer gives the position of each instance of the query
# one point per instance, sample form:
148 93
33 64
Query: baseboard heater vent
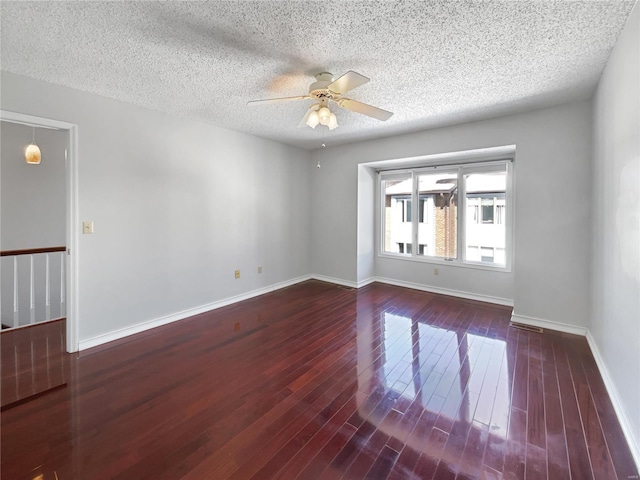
527 328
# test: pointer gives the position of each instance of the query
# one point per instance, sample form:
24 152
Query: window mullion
461 220
415 212
509 216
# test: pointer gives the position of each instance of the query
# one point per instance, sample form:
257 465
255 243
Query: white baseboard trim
549 325
366 281
345 283
337 281
623 418
446 291
174 317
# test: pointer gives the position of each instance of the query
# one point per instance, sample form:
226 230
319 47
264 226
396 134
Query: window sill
453 263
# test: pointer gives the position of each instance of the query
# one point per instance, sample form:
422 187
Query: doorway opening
60 284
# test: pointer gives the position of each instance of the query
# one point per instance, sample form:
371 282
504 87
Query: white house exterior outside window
463 216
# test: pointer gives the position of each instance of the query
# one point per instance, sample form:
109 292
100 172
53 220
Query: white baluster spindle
16 300
62 286
32 296
47 288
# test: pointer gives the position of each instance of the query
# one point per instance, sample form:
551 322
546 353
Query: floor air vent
527 328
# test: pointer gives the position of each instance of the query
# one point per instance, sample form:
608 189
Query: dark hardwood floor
317 381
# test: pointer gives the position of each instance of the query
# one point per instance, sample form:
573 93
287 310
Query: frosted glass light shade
325 114
32 154
333 122
313 119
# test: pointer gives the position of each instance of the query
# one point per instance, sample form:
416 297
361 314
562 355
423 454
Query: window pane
486 190
500 212
425 201
397 214
473 253
486 254
437 230
472 210
487 210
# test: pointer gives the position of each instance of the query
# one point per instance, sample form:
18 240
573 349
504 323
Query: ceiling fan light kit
324 90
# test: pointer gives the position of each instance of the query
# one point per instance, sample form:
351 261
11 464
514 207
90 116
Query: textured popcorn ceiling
431 63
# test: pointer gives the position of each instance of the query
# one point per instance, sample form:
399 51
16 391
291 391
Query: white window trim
462 168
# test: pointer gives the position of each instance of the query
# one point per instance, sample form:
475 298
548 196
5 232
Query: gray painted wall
615 319
366 223
550 277
177 206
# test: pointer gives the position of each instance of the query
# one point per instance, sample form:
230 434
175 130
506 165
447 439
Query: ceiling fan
326 89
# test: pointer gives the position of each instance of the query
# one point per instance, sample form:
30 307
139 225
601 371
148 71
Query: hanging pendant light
32 153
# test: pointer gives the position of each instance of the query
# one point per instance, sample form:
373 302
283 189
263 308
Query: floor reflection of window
398 374
407 347
471 363
490 380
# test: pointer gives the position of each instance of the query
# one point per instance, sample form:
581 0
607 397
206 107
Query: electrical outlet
259 268
436 271
237 274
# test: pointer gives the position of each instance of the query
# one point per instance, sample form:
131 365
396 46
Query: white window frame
462 169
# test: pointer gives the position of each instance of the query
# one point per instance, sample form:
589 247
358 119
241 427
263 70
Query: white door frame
73 229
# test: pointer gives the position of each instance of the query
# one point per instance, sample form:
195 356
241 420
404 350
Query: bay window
463 214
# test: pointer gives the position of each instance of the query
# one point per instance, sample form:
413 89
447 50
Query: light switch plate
87 227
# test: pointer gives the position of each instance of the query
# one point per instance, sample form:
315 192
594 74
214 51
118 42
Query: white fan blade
348 81
365 109
303 122
277 100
